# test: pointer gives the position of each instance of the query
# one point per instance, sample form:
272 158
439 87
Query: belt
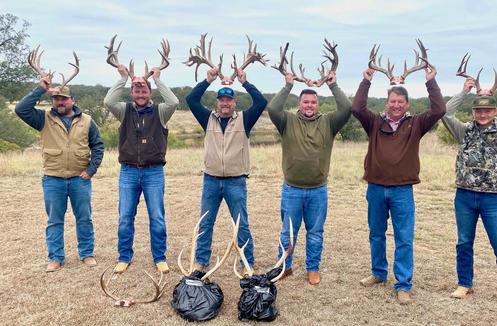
230 177
141 166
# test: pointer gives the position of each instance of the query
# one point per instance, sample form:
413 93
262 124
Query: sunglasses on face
225 91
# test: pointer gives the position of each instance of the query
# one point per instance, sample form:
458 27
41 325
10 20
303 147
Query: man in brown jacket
391 168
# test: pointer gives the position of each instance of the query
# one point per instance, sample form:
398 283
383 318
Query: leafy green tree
13 53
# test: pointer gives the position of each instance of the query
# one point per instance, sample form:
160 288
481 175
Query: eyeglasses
225 91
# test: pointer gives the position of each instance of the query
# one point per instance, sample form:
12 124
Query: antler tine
332 55
461 71
34 60
199 56
417 64
131 69
477 81
111 53
283 60
284 254
241 251
76 70
494 87
226 253
158 290
372 64
251 57
104 285
302 79
166 48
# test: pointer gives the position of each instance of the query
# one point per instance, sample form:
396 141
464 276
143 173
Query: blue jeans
310 205
55 192
132 182
469 205
234 192
398 201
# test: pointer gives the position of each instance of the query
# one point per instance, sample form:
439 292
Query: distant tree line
17 79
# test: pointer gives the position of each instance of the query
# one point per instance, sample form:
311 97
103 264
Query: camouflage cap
484 102
65 92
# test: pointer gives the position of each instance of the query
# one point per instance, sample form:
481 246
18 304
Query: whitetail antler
165 58
373 65
282 66
284 254
112 56
248 271
76 71
123 302
34 59
198 56
331 54
462 72
195 236
421 62
251 57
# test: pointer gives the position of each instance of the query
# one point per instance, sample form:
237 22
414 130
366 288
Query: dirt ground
72 295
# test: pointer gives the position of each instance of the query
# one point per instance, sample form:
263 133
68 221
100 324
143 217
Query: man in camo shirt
476 179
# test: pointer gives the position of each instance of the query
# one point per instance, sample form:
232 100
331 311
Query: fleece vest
142 138
226 154
66 153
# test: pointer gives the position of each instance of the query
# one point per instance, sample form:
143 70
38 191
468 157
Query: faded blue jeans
234 192
398 202
309 205
469 205
132 182
56 190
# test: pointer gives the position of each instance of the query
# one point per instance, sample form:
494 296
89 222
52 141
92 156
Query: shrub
6 146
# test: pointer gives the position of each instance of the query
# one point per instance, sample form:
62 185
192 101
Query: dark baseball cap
226 91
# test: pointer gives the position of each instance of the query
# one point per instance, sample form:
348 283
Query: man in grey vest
142 152
72 152
226 159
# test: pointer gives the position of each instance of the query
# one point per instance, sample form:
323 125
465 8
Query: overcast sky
448 28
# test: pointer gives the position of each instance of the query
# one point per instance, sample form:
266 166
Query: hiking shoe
121 267
371 280
90 261
461 292
162 267
313 278
405 297
53 266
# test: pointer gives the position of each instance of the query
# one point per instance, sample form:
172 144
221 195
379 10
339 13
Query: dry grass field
72 296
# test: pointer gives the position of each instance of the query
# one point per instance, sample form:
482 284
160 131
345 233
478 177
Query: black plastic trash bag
258 299
195 299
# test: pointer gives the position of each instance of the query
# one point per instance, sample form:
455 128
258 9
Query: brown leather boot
461 292
53 266
313 278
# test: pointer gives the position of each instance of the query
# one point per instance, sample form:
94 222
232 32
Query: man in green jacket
307 139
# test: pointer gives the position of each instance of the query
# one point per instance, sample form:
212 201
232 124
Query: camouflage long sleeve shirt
476 163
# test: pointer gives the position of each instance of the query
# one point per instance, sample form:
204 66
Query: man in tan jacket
72 152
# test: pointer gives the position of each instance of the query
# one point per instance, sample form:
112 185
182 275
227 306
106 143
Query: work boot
121 267
370 281
162 267
53 266
313 278
90 261
405 297
461 292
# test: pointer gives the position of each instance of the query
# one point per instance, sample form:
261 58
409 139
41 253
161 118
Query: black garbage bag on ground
258 299
195 299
